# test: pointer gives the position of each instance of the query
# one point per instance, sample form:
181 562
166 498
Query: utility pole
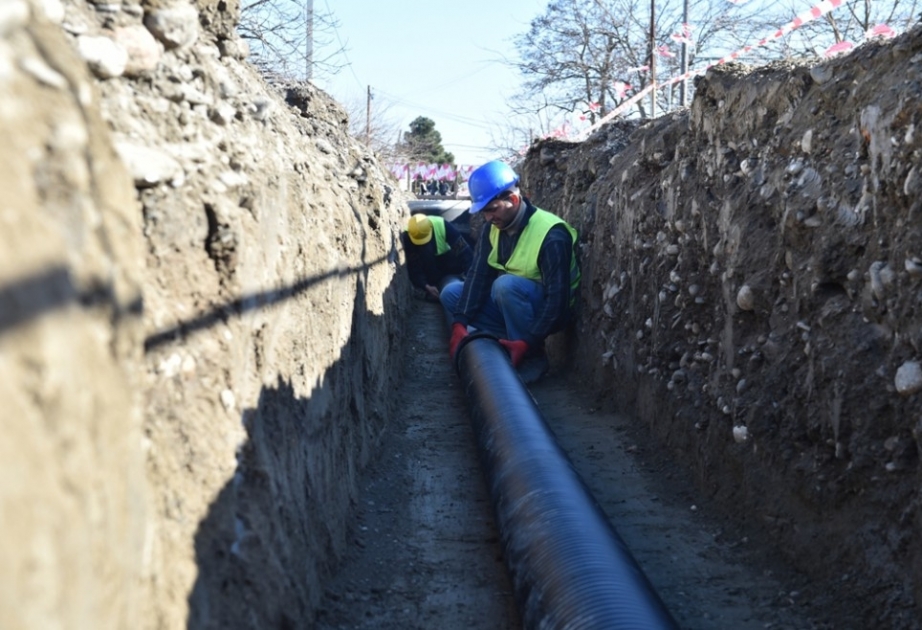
653 59
309 56
368 118
683 87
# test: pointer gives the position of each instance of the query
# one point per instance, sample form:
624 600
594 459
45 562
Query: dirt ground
425 552
202 322
750 293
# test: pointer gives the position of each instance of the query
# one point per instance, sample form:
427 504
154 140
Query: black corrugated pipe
569 568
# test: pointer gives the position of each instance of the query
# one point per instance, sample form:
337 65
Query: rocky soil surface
424 549
203 315
199 311
753 269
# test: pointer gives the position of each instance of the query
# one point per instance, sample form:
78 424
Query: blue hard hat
489 180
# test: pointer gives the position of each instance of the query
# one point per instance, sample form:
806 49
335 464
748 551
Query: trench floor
424 552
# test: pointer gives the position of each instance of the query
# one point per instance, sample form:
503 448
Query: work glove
516 350
458 332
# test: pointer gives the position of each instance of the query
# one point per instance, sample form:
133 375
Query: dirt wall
752 273
199 312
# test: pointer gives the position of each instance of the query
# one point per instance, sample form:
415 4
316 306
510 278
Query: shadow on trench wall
28 298
255 301
277 528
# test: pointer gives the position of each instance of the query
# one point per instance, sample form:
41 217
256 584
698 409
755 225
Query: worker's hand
433 291
458 332
516 350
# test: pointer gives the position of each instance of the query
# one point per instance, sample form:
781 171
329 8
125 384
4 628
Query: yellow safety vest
524 259
438 230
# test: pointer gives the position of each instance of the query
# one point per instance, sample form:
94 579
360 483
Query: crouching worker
522 285
435 250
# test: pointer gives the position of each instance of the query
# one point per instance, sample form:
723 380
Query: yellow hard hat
420 229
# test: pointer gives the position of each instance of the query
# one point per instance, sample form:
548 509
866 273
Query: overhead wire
475 122
454 79
342 46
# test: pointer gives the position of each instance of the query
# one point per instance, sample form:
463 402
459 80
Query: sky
435 58
445 60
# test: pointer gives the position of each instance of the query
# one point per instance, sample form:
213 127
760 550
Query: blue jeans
508 313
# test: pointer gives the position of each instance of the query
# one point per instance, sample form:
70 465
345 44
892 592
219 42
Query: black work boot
534 365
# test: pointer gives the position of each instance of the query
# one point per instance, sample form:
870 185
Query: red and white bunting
881 30
683 37
838 49
621 88
425 172
809 15
399 171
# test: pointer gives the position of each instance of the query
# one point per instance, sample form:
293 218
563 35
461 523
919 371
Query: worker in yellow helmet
434 250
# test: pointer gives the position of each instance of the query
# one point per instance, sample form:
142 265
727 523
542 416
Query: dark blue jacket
554 262
426 267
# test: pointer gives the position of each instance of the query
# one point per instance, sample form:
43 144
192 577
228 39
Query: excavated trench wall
752 285
200 309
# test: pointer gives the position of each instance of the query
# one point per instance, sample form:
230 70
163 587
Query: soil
203 314
425 552
424 548
750 293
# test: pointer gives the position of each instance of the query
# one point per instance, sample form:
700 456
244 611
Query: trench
426 545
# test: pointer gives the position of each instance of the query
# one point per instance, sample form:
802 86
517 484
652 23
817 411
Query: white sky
437 58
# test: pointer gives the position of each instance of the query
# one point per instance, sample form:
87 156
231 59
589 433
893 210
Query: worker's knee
451 294
509 286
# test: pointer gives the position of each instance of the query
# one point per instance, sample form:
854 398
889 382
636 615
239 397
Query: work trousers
508 313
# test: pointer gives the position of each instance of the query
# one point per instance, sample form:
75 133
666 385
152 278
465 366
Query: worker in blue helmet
522 285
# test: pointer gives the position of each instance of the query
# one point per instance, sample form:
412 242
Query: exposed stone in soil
203 319
424 549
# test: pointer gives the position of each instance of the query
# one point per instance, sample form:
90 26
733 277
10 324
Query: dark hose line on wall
569 568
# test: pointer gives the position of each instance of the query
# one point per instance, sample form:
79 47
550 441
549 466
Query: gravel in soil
425 552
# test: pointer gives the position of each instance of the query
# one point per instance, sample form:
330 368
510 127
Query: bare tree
853 22
371 122
588 56
568 55
529 121
581 54
277 32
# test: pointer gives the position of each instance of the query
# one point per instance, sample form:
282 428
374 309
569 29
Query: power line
342 46
463 146
454 79
473 122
